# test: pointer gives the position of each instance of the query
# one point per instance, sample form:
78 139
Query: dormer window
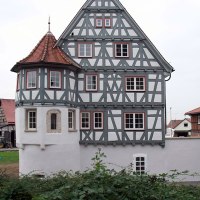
55 79
31 79
85 50
121 50
99 23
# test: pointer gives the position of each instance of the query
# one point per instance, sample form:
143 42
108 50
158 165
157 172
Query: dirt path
10 169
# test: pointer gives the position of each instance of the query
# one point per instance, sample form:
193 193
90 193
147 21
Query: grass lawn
9 157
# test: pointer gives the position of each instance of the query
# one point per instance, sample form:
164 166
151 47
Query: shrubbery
96 184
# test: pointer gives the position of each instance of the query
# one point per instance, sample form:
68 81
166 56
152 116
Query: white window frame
134 121
85 128
56 73
135 83
101 120
99 22
199 119
18 81
85 50
31 79
107 22
28 120
140 165
71 120
89 85
121 50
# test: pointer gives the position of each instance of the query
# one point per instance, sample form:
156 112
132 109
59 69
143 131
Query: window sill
30 131
72 130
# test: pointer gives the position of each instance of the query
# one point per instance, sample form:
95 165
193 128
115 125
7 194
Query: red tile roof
8 106
46 52
193 112
174 123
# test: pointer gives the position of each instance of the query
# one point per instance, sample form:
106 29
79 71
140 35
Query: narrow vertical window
98 120
85 50
107 22
55 79
99 23
85 120
31 123
18 81
198 119
31 79
71 120
91 82
53 121
121 50
134 121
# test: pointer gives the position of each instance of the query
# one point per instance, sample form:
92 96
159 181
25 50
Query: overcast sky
172 25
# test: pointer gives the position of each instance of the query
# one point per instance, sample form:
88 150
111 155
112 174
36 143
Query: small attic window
185 124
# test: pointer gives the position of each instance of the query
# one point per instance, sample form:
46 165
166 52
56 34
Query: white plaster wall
181 154
181 126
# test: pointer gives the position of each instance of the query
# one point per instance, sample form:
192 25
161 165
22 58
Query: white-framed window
85 120
107 22
140 163
53 121
121 50
55 79
91 82
135 83
198 119
99 22
85 50
31 120
98 120
71 120
134 121
31 79
18 81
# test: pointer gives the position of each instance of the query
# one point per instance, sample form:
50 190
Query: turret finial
49 23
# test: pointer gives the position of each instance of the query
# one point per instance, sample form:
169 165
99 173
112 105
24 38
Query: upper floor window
98 120
134 121
31 120
121 50
85 50
135 83
91 82
85 120
99 22
55 79
31 79
18 81
107 22
140 164
198 119
71 120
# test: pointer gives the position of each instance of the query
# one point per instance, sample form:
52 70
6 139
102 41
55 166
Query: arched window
53 121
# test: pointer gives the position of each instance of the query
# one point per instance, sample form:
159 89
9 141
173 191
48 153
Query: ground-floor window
53 121
140 163
71 120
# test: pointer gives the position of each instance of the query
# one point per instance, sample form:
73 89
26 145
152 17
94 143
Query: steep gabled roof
46 52
8 106
168 68
193 112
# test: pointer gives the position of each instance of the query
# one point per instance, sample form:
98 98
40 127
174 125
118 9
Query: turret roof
46 52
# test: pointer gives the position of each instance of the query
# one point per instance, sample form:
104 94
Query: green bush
99 183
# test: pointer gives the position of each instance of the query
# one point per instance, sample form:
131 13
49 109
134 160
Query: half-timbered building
102 84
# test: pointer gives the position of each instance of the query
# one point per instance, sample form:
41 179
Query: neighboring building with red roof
7 119
195 120
179 128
